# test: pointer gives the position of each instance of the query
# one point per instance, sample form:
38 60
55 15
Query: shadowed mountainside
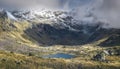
46 34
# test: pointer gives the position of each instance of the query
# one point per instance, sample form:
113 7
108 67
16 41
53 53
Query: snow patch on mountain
60 18
11 16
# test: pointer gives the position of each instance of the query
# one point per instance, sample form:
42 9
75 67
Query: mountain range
27 35
60 27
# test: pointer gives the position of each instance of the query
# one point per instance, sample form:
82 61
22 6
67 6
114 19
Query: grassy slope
11 36
17 61
11 39
9 60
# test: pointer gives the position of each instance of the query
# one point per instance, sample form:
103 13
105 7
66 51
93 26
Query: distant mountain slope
40 33
113 40
58 27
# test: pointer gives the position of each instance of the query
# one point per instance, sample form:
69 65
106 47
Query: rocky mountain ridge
60 27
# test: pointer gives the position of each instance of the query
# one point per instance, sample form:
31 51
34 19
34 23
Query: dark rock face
68 31
65 30
99 57
3 14
114 38
47 34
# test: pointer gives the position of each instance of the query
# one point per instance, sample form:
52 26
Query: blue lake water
59 55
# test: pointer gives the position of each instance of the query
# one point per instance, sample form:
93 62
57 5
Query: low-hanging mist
106 11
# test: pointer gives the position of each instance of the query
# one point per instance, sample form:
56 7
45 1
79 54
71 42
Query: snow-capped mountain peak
63 19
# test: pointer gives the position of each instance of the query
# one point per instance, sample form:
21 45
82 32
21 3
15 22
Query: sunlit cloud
105 10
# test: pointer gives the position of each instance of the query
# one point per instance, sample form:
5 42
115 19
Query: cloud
29 3
105 10
109 11
47 3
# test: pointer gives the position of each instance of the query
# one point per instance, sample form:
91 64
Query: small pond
59 55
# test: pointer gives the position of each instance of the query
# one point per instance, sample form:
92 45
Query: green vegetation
10 60
19 51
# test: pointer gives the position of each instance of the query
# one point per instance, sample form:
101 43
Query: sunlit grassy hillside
10 60
20 51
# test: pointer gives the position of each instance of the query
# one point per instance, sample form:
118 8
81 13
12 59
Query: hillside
24 42
10 60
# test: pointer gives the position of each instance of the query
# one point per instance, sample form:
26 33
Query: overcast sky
47 3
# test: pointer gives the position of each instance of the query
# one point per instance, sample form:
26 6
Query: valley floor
32 60
10 60
18 51
15 55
